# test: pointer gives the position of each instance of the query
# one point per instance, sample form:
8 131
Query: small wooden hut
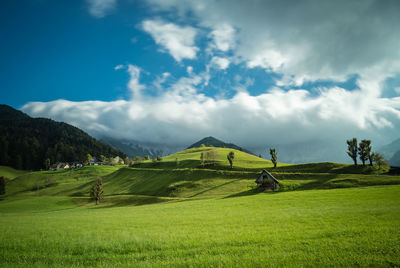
267 182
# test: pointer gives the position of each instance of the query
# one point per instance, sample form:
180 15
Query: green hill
182 176
177 213
10 172
211 141
26 142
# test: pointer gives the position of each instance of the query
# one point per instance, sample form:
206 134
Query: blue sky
166 70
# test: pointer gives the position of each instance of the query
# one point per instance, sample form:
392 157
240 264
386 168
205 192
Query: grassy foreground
338 227
179 213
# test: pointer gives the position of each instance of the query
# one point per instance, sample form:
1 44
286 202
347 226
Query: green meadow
177 213
10 172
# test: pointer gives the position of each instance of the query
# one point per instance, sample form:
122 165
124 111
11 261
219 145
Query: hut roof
265 173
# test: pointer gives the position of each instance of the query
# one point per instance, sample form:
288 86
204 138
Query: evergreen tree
352 149
97 191
274 157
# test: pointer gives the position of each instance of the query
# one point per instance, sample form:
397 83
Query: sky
288 74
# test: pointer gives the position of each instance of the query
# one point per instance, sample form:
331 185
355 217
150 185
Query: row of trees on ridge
364 151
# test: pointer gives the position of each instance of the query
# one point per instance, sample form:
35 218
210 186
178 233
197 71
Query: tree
47 163
147 157
231 156
202 160
3 181
96 192
137 160
159 158
369 152
364 149
352 149
103 159
379 160
127 161
87 159
274 157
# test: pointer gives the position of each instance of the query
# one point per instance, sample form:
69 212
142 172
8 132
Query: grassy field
340 227
176 213
10 172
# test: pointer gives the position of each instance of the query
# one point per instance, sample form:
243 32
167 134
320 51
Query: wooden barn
267 182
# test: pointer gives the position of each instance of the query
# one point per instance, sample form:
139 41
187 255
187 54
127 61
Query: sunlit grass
340 227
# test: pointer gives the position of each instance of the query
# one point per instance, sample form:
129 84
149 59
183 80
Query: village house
58 166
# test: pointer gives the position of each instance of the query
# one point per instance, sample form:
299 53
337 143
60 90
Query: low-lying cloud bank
181 115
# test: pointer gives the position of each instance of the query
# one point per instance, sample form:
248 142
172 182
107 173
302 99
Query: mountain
25 142
395 159
135 148
391 152
211 141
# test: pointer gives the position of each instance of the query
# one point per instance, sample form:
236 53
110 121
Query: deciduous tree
231 157
364 149
274 157
379 160
97 191
352 149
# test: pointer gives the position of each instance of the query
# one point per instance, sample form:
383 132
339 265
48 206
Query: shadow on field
123 201
246 193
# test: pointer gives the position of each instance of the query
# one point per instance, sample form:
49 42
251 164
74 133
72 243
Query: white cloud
101 8
306 41
223 37
133 85
119 67
179 41
220 63
180 115
160 80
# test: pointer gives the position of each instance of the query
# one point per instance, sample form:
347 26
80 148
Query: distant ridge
25 142
391 152
211 141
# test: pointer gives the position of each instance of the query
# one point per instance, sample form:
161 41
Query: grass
180 214
186 178
340 227
10 172
190 158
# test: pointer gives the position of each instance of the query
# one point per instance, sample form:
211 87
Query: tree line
32 143
363 151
